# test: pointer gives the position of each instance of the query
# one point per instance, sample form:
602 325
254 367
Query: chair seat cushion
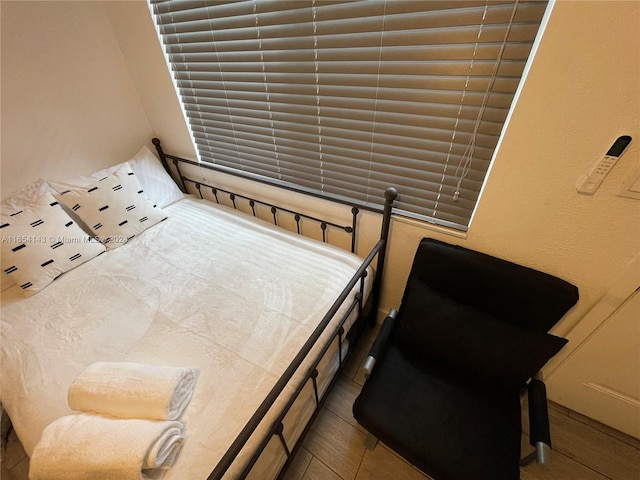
435 327
446 426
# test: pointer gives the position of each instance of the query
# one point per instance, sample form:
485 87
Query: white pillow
156 182
115 208
27 195
154 179
40 242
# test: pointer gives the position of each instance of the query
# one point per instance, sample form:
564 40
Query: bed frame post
390 195
164 157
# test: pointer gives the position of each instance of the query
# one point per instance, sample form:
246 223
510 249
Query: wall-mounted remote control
592 180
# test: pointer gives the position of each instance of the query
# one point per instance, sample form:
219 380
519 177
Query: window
348 98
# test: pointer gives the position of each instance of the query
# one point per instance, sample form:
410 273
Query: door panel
601 378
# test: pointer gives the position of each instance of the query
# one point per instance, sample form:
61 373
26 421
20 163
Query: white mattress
209 288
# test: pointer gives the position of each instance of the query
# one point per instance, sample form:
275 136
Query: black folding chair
452 364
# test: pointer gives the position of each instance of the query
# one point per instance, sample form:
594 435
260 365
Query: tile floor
334 448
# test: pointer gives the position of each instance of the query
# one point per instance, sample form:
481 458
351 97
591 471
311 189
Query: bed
267 316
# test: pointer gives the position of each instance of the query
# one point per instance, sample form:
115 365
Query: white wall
138 42
582 92
69 105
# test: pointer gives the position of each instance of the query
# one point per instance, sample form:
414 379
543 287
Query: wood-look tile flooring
334 448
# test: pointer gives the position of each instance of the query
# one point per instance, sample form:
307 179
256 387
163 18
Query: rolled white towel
133 390
90 447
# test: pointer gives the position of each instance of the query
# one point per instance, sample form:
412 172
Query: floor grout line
594 424
328 467
588 467
306 469
360 463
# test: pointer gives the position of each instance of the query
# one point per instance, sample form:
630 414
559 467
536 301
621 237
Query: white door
601 378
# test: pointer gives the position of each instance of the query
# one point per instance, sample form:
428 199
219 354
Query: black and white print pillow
40 242
115 208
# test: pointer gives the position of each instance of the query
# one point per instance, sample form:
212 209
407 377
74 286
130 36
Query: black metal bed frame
297 216
379 251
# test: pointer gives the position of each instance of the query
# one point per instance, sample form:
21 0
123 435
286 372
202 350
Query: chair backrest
521 296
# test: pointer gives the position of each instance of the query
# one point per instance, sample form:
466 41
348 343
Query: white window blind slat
348 98
484 51
385 122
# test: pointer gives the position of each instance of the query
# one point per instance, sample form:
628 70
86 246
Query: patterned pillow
40 242
26 196
115 208
156 182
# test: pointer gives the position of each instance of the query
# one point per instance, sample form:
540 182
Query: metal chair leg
541 455
370 442
527 459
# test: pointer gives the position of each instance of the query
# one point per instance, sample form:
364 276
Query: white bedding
209 288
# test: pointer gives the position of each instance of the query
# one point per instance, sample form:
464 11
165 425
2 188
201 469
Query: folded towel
91 447
133 390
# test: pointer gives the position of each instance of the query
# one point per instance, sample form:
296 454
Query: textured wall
69 105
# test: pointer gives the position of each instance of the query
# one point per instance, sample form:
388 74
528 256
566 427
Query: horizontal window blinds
349 98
